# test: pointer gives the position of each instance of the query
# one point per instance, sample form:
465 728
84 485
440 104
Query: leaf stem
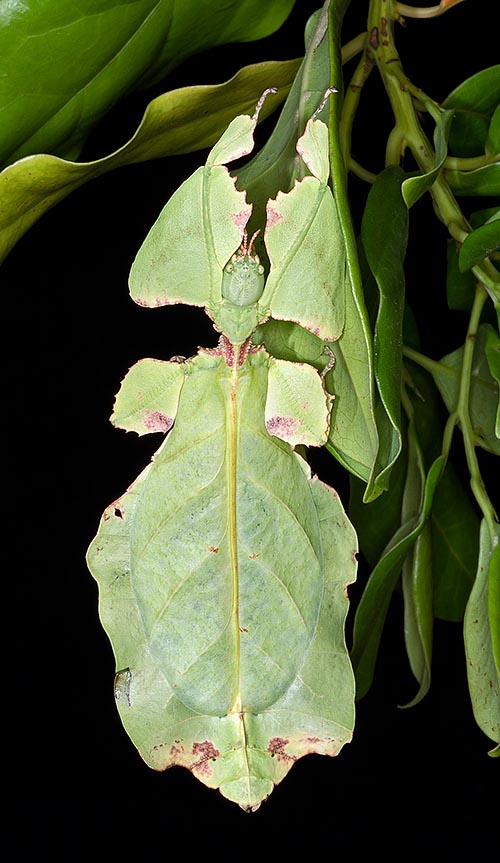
351 101
408 131
461 414
426 11
459 163
353 47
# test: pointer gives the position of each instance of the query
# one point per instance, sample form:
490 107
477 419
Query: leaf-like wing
182 257
147 401
222 576
306 283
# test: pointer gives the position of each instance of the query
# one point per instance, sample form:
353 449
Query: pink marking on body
156 421
273 217
282 427
240 219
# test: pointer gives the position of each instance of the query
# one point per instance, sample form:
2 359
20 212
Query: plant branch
408 131
351 101
426 11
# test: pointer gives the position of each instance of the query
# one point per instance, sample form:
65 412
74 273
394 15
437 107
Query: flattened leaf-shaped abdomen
223 532
279 541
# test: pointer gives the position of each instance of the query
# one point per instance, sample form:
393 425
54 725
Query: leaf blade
483 664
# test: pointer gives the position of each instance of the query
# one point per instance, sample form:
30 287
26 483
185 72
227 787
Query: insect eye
229 268
261 269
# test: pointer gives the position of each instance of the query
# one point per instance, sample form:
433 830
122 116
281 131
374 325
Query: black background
412 780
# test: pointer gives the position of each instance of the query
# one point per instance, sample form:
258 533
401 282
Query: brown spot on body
207 752
213 549
253 556
156 421
276 748
374 40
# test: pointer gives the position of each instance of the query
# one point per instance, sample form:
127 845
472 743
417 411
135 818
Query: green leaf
418 616
474 102
481 181
417 570
480 243
377 522
492 351
384 234
414 187
493 140
120 46
460 286
180 121
223 593
455 536
453 520
481 636
484 390
372 609
480 91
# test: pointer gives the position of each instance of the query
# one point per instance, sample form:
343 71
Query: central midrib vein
232 459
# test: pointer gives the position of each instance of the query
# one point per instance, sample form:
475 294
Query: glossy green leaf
455 537
474 102
493 139
460 286
492 351
484 390
384 233
377 522
120 46
454 523
417 570
481 637
414 187
482 181
183 561
178 122
418 616
374 604
480 243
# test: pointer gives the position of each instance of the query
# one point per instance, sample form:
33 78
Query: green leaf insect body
223 569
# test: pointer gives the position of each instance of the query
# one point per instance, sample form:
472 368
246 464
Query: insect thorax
237 322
